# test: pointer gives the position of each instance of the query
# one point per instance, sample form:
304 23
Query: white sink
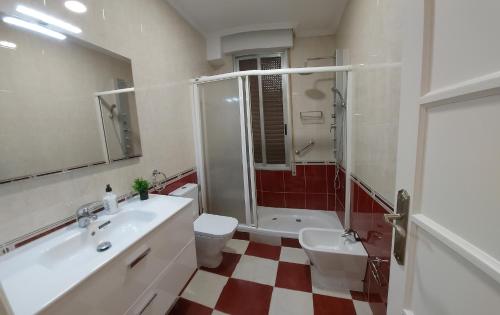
35 275
80 246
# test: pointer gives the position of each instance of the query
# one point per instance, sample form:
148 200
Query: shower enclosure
225 149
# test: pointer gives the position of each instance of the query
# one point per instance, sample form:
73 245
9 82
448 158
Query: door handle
399 221
390 217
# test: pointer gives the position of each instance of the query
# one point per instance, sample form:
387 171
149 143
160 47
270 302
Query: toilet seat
214 226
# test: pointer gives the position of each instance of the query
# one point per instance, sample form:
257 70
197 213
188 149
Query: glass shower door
223 149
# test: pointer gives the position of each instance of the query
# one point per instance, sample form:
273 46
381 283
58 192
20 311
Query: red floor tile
186 307
263 251
241 235
226 268
360 296
328 305
294 276
378 308
240 297
290 242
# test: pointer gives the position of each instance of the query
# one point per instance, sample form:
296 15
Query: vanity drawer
163 293
146 261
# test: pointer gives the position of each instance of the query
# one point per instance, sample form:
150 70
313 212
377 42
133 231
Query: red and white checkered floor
256 279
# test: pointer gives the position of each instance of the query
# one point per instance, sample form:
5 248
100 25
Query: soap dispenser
110 201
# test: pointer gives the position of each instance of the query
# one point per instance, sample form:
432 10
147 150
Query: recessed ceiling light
33 27
48 19
75 6
6 44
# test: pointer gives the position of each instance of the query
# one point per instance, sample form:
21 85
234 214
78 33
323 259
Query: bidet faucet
351 235
84 215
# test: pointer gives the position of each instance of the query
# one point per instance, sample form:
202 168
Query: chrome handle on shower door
399 222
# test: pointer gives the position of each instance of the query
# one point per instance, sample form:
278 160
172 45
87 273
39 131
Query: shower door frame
248 165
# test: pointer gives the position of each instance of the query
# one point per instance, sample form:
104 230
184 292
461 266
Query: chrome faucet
351 235
84 215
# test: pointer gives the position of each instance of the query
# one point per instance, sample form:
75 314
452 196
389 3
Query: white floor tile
236 246
205 288
265 239
216 312
291 302
362 308
319 287
294 255
256 269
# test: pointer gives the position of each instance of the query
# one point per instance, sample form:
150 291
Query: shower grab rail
305 148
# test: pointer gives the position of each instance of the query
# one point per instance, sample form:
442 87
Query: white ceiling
223 17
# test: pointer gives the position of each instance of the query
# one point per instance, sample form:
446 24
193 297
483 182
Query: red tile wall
367 218
311 188
340 196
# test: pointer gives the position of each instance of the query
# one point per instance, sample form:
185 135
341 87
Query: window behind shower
269 110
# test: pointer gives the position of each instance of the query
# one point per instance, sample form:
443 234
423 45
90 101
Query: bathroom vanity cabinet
145 278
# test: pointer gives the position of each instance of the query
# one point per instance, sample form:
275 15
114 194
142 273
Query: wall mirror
62 93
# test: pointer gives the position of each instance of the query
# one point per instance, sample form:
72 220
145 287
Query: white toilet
211 231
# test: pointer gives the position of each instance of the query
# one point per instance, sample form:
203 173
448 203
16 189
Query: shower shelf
311 115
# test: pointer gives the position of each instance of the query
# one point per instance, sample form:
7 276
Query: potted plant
141 186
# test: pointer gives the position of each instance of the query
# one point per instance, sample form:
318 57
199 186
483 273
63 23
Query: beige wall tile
371 32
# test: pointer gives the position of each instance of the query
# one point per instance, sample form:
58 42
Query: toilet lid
214 225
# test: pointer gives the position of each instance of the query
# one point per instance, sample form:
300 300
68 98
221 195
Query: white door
449 159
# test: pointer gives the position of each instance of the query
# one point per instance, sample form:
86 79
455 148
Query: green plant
140 185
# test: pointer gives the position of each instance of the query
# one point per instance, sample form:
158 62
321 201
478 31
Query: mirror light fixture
48 19
6 44
33 27
75 6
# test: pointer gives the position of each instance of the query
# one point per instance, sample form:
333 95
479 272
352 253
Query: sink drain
298 220
274 219
103 246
